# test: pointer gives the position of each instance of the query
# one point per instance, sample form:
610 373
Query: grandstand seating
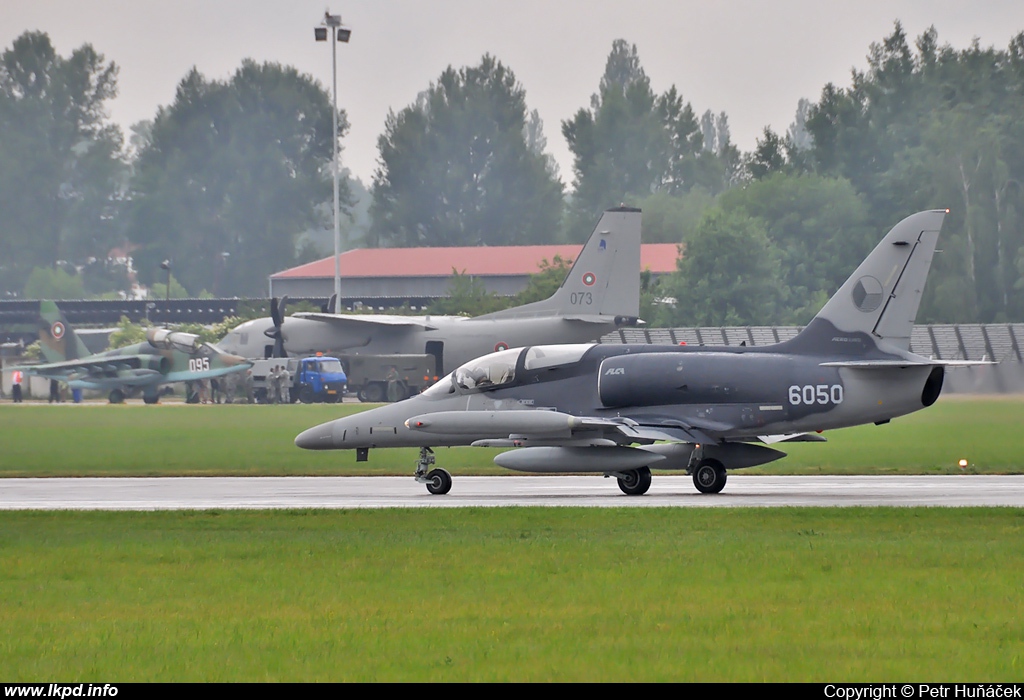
961 341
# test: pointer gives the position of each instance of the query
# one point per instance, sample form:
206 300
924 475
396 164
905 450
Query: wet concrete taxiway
404 492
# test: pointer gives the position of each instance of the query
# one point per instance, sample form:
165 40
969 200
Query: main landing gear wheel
116 396
155 398
709 476
439 482
635 482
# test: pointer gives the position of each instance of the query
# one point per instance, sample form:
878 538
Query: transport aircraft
622 410
165 357
600 294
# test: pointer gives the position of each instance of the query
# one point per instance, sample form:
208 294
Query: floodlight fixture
166 265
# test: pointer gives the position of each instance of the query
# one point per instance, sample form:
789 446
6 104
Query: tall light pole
338 33
166 265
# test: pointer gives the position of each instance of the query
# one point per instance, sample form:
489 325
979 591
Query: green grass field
136 440
512 594
506 593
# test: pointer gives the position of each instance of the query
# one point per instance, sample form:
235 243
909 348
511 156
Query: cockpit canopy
489 371
499 369
177 340
547 356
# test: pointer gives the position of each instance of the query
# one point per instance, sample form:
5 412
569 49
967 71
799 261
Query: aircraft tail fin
57 338
878 303
604 279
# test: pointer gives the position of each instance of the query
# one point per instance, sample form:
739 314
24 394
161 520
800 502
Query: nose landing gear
635 482
438 481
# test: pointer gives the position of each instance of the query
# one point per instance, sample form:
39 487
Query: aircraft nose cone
235 361
320 437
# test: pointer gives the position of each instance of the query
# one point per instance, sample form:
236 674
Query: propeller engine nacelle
163 338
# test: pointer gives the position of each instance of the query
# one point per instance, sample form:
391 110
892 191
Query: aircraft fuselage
460 339
726 393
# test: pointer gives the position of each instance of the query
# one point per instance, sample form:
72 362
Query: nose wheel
635 482
438 481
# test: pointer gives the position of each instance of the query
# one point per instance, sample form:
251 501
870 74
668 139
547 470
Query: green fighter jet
166 357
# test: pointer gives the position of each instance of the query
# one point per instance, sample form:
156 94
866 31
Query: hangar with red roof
402 273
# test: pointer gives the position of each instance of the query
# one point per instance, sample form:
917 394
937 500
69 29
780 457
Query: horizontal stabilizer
890 364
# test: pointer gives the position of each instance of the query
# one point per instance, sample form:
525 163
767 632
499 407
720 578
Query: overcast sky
754 60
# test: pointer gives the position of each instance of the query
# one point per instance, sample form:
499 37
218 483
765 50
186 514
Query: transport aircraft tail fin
604 280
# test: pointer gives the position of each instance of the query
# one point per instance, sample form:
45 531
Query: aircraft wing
355 320
593 319
515 428
666 433
113 370
86 367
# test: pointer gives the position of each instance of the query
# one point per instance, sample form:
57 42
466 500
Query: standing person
394 387
204 390
230 382
215 390
54 391
273 387
286 385
16 377
250 396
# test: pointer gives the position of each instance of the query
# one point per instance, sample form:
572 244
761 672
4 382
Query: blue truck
316 379
319 379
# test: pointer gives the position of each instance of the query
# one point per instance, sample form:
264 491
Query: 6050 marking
822 394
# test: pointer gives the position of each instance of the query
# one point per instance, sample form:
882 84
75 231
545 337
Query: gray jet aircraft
600 293
622 410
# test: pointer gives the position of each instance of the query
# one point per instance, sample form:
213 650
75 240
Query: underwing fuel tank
494 422
576 459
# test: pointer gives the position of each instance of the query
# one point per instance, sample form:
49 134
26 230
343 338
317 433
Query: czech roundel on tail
164 358
623 410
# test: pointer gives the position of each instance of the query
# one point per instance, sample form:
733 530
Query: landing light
962 463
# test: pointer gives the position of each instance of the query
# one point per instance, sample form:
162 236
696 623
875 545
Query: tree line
232 180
